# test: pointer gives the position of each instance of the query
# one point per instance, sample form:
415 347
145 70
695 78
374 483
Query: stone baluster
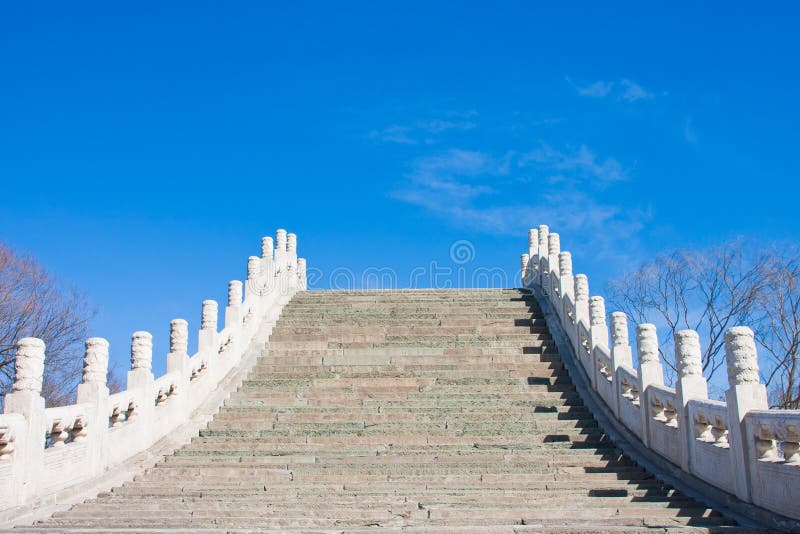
581 313
598 333
533 253
553 250
650 372
207 338
267 247
26 400
597 316
140 377
233 311
254 283
178 357
690 385
291 252
542 254
280 250
94 391
566 290
745 393
95 370
524 260
301 274
621 353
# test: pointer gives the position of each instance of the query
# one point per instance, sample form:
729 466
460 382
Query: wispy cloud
579 164
632 91
689 132
481 191
424 131
596 89
624 89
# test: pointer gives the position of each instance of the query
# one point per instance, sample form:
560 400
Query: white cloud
471 189
424 131
597 89
624 89
632 91
689 132
580 164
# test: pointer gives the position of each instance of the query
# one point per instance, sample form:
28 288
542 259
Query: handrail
738 446
45 450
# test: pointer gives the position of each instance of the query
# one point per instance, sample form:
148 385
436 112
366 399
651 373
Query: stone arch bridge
479 410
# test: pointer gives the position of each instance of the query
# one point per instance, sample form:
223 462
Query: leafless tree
708 291
780 327
33 303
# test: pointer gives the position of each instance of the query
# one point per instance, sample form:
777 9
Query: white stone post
533 252
566 289
178 357
553 250
650 372
280 250
745 393
267 246
207 338
95 370
301 274
233 312
140 378
253 285
524 260
291 251
621 353
690 385
542 254
598 332
26 400
581 314
178 362
94 391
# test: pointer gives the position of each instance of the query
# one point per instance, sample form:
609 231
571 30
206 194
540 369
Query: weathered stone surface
417 410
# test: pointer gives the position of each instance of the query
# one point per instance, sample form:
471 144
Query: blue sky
145 148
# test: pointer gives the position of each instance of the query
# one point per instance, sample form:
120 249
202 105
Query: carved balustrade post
553 250
580 342
533 254
207 337
690 385
566 291
280 250
93 391
301 274
26 400
233 311
524 260
542 254
650 372
267 250
598 333
745 393
140 378
253 286
291 252
621 353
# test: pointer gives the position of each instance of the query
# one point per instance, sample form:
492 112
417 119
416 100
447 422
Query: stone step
441 410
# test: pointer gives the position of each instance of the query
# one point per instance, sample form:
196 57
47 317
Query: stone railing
738 446
45 450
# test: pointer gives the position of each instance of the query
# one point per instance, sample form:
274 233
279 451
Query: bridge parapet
738 446
45 451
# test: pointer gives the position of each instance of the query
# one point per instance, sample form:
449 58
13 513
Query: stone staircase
421 410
